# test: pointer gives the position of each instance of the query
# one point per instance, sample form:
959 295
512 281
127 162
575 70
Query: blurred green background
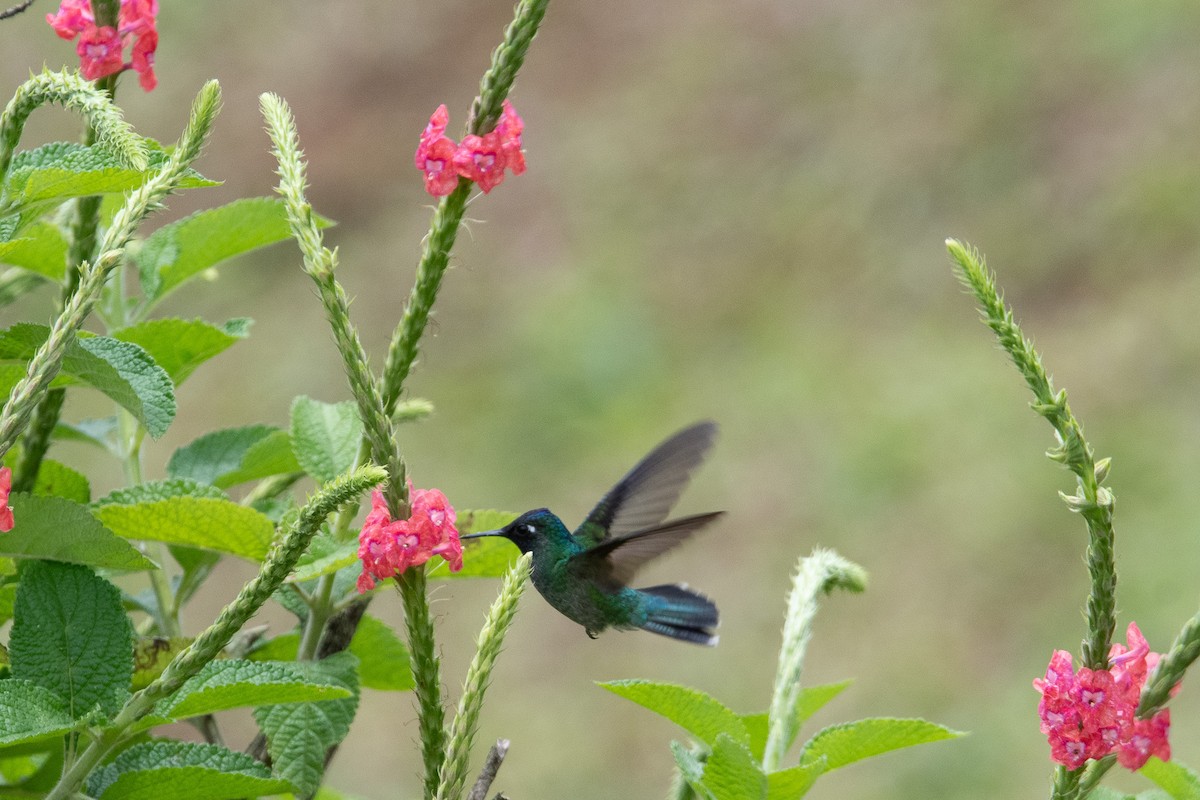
737 211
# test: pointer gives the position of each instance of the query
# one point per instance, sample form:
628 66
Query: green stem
426 669
37 439
319 611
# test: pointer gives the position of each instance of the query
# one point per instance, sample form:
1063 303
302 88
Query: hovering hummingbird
585 574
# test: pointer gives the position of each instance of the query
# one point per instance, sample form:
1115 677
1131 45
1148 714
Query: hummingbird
585 574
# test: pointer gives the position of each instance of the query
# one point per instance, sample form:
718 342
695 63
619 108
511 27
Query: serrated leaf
233 683
383 661
57 529
482 558
299 734
325 436
810 701
698 713
794 783
121 370
29 712
324 555
55 479
60 170
691 769
101 432
70 635
191 771
178 251
852 741
1172 777
283 647
151 655
42 248
186 513
731 773
234 455
179 346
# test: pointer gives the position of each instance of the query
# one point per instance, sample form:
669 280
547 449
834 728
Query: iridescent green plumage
585 575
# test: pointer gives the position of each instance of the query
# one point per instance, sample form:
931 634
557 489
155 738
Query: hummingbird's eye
529 529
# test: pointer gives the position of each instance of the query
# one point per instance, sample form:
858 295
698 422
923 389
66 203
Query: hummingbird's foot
592 634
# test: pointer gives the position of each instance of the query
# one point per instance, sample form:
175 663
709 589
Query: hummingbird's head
529 528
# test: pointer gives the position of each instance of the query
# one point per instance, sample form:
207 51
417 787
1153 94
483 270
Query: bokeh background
737 211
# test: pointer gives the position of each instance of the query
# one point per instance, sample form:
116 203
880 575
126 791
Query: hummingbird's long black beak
481 534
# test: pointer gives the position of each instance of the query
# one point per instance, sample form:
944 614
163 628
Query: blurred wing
644 497
614 561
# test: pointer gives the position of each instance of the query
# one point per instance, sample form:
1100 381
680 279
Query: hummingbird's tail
676 611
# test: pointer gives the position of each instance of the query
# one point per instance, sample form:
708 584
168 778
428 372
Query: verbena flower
100 48
6 513
482 159
1090 713
387 547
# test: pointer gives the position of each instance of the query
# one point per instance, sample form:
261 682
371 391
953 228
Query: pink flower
482 159
100 48
1090 713
387 547
6 513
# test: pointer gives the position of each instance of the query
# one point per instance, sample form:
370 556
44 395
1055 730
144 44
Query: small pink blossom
100 48
72 17
481 159
6 513
143 59
387 547
99 52
1091 713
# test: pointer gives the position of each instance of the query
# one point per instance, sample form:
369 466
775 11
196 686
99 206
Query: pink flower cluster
481 159
387 547
6 513
100 48
1090 713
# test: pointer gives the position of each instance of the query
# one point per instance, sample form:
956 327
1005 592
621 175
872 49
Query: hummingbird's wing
644 497
614 561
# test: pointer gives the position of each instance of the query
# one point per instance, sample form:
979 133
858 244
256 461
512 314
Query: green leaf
325 436
179 346
698 713
56 479
691 769
234 455
849 742
1172 777
60 170
299 734
196 564
151 655
794 783
482 558
233 683
187 513
42 248
283 647
8 597
121 370
324 555
383 658
70 635
102 432
181 250
29 712
731 773
191 771
810 701
57 529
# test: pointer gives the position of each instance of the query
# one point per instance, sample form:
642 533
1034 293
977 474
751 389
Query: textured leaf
1172 777
299 734
61 170
29 712
383 658
168 770
61 530
810 701
731 773
56 479
691 770
794 783
325 436
324 555
121 370
187 513
179 251
234 455
283 647
849 742
179 346
701 715
8 597
41 249
482 558
232 683
70 635
101 432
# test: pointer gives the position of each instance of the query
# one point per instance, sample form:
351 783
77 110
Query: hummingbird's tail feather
676 611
